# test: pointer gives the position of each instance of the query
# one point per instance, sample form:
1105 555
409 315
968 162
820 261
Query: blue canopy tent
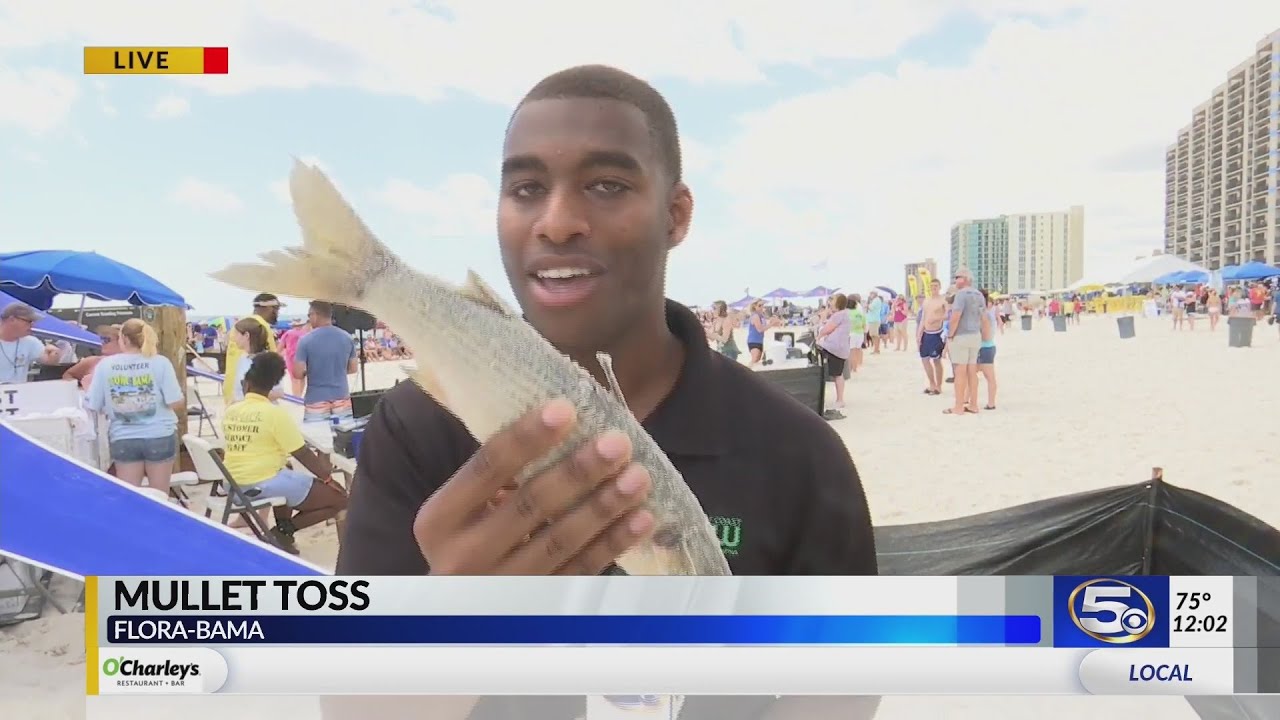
819 292
1254 270
37 276
1180 277
780 294
888 291
741 302
51 327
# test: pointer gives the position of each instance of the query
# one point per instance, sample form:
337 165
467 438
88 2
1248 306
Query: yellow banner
925 279
144 61
913 291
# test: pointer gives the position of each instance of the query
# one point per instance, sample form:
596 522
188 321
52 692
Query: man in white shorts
968 326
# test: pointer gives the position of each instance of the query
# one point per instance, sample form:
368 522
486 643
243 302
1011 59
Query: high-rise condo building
1022 251
1221 176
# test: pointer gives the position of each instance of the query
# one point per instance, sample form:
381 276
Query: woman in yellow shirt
261 437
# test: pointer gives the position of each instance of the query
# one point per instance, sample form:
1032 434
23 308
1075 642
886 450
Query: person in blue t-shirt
325 357
139 393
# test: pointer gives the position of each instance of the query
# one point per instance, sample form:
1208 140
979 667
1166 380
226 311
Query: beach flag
155 61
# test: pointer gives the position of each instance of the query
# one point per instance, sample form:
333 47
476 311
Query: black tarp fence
1151 528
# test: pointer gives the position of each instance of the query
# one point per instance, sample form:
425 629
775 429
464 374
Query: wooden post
170 324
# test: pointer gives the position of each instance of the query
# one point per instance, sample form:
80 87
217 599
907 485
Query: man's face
16 327
935 288
270 313
961 282
586 216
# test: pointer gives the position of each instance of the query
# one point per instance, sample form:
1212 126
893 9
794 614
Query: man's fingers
561 541
623 535
496 462
555 491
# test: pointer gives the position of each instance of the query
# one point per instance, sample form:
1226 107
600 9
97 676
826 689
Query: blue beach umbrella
37 276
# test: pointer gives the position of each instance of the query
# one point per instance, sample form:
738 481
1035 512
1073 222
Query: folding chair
236 501
196 409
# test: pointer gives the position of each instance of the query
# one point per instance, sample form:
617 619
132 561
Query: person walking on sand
756 325
929 338
968 327
1213 306
722 327
875 321
900 323
1178 306
833 343
987 353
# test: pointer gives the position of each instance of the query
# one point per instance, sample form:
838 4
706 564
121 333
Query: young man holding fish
591 204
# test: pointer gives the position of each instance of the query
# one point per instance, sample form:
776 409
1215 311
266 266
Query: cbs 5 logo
1112 611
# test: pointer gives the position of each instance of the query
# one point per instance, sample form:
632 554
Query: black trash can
1026 322
1240 331
1059 323
1125 323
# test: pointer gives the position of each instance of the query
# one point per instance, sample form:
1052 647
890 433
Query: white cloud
874 172
169 107
205 196
36 100
396 47
462 205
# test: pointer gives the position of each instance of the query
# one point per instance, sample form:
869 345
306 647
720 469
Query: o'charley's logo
729 530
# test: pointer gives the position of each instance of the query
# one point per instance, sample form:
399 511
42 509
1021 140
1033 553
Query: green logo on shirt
729 530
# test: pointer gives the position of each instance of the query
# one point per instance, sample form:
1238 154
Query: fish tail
339 260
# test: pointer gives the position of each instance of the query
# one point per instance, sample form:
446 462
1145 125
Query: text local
240 595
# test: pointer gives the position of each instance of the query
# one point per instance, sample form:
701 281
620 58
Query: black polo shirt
775 479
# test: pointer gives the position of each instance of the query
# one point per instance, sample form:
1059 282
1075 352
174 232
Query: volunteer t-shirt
135 392
17 357
260 437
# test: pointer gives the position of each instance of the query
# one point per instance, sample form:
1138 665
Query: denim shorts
987 355
292 485
152 450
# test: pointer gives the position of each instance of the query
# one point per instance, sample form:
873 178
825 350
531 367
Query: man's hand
573 519
50 355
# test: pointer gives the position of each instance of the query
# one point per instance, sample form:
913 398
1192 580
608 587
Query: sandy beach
1079 410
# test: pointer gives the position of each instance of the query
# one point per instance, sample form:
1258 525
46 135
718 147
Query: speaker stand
360 336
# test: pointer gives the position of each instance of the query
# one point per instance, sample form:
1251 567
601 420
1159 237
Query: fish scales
478 358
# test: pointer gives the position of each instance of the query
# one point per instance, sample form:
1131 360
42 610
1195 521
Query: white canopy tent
1148 269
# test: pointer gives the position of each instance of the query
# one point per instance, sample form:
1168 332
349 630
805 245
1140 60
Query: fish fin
475 288
606 364
339 260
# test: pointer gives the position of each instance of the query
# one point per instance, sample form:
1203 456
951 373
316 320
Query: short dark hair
266 370
601 82
322 308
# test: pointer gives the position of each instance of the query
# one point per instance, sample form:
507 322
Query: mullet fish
478 358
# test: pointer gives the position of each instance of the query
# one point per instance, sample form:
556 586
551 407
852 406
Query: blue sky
180 177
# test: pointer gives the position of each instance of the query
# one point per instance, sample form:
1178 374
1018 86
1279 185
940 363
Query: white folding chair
196 409
251 510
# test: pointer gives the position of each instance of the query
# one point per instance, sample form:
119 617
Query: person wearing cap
18 349
266 310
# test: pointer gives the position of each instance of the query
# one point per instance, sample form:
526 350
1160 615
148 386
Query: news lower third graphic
156 61
1109 612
